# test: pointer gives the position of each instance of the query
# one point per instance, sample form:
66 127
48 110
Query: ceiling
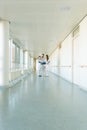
42 24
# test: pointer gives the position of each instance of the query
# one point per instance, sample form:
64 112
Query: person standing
47 64
39 66
42 63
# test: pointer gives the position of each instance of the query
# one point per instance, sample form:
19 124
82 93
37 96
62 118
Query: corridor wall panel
54 62
76 58
83 53
66 59
69 61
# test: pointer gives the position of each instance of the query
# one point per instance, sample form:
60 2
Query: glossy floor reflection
43 103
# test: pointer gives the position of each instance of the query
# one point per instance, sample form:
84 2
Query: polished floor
43 103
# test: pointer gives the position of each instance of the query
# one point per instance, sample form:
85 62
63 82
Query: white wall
76 58
54 62
61 59
66 59
83 53
70 61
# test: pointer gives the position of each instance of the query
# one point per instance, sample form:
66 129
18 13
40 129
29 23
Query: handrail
62 66
83 66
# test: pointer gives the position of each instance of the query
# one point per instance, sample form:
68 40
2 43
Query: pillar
26 59
4 53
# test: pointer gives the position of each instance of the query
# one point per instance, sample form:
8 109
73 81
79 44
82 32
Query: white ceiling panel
41 25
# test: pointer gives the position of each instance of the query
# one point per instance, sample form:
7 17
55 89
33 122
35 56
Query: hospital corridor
43 65
43 103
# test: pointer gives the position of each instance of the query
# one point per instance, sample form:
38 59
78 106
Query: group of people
43 62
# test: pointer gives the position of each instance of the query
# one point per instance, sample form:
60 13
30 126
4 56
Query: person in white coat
47 65
42 63
39 66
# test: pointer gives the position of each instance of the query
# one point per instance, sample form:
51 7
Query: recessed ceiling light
65 8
